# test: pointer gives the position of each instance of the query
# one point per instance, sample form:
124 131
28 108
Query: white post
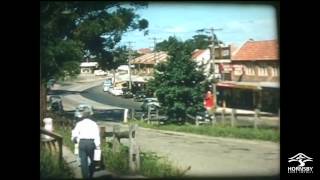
48 126
125 118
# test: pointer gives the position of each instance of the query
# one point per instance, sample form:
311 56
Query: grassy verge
219 130
49 167
151 165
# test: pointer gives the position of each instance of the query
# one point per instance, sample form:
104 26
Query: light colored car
99 73
116 91
153 103
80 109
106 88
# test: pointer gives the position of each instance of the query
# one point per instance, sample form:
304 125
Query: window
274 71
249 70
262 70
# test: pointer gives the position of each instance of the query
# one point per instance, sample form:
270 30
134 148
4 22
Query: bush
50 169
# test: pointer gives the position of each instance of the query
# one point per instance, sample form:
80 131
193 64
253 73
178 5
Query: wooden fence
51 142
117 135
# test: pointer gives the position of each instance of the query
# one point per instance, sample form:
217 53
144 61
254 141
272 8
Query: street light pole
129 63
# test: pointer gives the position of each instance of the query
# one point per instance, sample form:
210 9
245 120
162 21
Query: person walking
86 131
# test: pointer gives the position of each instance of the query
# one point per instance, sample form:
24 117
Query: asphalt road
96 93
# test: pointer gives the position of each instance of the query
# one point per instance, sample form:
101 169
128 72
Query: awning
240 85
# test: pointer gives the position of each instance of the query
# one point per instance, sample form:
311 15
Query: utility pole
154 48
212 58
129 63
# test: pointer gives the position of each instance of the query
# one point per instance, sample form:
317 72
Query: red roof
197 53
257 50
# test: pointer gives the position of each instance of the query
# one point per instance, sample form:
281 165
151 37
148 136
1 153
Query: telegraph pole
154 47
129 63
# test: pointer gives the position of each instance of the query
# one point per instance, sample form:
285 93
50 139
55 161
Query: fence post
134 152
60 141
157 116
125 116
233 117
223 111
256 117
149 116
102 132
116 140
132 113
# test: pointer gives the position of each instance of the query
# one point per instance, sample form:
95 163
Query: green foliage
177 83
50 169
116 162
69 29
155 166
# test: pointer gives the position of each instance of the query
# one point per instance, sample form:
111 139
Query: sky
239 22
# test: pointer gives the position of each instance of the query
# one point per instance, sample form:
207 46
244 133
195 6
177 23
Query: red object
209 101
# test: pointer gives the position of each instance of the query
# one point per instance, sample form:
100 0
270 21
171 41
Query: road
96 93
207 156
210 156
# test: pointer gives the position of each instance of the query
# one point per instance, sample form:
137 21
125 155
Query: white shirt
87 129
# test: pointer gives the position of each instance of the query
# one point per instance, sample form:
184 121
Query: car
127 93
99 73
139 96
80 108
152 103
116 91
55 103
107 81
205 118
106 88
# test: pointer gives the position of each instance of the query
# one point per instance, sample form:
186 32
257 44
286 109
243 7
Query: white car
100 73
80 109
116 91
106 88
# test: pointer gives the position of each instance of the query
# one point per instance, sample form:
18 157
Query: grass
219 130
49 167
151 165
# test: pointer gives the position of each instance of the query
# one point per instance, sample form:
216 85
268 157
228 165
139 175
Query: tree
177 84
70 29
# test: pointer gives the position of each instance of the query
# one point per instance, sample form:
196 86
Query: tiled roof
257 50
150 58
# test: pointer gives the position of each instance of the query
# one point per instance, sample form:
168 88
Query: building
254 82
256 61
88 67
222 56
144 65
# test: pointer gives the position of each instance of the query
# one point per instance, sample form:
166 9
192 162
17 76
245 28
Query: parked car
106 88
107 81
80 109
205 118
116 91
127 93
153 103
139 96
99 73
56 103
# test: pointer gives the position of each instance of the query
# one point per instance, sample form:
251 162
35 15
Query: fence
51 142
235 119
117 135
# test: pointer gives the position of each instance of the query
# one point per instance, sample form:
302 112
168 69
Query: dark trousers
86 149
